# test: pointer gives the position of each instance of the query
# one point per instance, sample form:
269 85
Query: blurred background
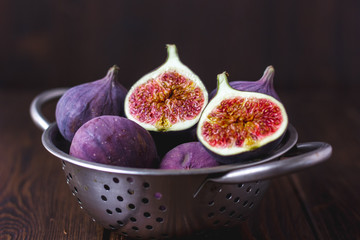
311 44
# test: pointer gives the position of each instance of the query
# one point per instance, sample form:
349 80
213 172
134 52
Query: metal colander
158 204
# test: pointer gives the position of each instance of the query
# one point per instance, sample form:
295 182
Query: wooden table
322 202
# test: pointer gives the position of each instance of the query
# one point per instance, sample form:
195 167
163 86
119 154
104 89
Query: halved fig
239 125
170 98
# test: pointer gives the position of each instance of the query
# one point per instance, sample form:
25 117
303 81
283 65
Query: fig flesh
114 140
170 98
83 102
264 85
239 125
189 155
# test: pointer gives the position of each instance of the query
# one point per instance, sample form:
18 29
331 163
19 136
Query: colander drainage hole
236 200
131 206
103 198
257 191
130 191
162 208
132 219
116 180
146 185
211 203
210 215
228 196
147 214
145 200
240 185
227 223
130 180
107 188
149 227
109 211
158 195
118 210
120 223
222 209
135 228
216 222
120 198
248 189
159 220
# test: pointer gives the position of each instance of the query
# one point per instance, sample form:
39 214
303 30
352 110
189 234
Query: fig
170 98
83 102
114 140
240 125
264 85
188 155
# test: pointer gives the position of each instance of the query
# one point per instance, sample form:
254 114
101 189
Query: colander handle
36 106
302 156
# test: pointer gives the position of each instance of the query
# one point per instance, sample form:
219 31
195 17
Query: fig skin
264 85
189 155
83 102
114 140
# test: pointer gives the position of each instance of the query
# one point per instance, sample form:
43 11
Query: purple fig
115 141
188 156
83 102
264 85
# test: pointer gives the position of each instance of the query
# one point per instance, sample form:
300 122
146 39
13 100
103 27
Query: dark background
311 44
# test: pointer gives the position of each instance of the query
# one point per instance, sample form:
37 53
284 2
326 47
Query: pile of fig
166 120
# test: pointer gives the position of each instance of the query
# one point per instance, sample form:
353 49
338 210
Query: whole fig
83 102
264 85
114 140
188 156
240 125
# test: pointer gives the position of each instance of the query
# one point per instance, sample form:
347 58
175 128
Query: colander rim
289 140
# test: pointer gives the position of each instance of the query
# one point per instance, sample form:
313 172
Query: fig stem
113 72
268 75
172 52
222 81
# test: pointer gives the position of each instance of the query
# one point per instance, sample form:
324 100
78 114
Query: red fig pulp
116 141
83 102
